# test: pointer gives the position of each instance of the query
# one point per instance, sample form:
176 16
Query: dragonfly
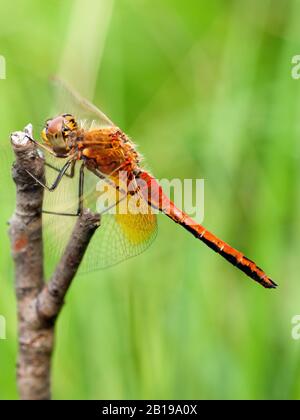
83 136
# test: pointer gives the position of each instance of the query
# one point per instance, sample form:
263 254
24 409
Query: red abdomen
157 199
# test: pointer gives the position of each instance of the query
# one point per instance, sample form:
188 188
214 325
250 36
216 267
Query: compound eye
55 126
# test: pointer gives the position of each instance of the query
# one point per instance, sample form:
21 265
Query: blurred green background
205 89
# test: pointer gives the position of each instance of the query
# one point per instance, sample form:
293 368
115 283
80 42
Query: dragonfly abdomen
159 200
233 256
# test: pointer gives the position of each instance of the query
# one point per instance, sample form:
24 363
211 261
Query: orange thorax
109 149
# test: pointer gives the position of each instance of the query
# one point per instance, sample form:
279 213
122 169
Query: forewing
67 101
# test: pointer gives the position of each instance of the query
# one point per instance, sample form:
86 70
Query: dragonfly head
59 132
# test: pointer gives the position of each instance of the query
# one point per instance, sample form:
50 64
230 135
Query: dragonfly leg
80 197
55 213
57 180
72 170
80 189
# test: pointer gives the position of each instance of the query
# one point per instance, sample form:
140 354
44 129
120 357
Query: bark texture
39 303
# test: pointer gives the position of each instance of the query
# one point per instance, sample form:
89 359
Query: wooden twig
51 299
38 303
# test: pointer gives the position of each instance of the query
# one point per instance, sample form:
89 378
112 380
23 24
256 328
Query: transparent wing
121 235
117 240
63 199
68 101
66 195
